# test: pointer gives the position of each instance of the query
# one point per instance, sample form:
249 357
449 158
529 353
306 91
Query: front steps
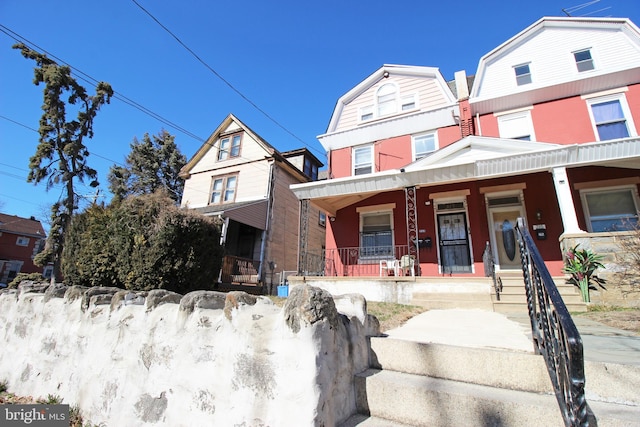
513 298
417 384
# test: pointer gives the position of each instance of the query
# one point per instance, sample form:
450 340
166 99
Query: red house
20 240
427 174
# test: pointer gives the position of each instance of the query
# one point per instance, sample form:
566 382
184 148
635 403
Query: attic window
310 169
584 61
408 102
386 97
366 113
229 146
523 74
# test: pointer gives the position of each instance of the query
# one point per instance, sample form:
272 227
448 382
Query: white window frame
390 99
523 115
376 211
414 152
620 97
633 189
22 241
365 114
523 79
579 64
410 101
355 166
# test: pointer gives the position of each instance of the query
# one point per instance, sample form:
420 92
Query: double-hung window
610 117
386 97
516 125
366 113
584 61
376 235
363 159
229 146
22 241
423 145
223 189
523 74
610 209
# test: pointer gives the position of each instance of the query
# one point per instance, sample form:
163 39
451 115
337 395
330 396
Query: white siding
428 92
550 54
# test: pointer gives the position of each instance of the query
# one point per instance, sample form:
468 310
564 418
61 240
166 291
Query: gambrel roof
548 47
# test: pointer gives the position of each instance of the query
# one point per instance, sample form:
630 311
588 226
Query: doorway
453 238
503 216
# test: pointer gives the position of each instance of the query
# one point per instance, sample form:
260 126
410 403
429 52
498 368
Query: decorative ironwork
351 262
555 336
304 234
490 270
412 221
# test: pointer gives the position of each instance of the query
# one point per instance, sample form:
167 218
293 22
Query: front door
503 236
455 256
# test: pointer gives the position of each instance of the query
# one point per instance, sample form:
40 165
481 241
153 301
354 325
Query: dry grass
627 319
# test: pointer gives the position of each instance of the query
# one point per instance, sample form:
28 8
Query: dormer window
310 169
523 74
386 98
584 61
366 113
408 102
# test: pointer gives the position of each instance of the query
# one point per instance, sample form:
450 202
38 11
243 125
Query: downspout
265 232
478 125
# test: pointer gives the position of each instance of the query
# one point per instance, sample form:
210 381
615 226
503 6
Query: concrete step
448 300
508 307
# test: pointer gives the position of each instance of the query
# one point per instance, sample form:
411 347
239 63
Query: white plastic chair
387 265
407 265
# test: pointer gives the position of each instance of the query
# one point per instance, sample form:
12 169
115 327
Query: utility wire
225 81
87 78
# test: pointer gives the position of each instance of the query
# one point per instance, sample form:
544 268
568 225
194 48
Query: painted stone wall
206 358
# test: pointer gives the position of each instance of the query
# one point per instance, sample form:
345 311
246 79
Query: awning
252 213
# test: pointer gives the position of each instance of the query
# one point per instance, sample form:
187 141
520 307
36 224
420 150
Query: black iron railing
554 334
490 270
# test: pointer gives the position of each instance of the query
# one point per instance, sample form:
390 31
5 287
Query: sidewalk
486 329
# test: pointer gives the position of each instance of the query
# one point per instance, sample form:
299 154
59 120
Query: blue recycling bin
283 291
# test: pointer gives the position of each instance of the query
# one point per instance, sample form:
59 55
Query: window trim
353 160
521 114
413 144
22 241
223 189
622 99
633 189
365 113
390 102
375 211
525 76
589 61
230 137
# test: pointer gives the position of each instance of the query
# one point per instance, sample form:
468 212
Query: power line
117 95
225 81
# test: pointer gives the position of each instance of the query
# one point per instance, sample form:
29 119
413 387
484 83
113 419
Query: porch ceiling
334 194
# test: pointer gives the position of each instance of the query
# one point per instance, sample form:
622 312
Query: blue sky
292 59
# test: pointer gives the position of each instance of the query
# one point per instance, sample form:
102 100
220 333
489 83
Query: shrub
22 277
581 265
145 242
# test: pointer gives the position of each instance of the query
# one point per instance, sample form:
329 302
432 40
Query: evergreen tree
61 155
153 164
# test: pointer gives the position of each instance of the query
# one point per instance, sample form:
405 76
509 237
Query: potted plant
581 265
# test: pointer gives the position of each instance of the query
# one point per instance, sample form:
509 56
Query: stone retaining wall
206 358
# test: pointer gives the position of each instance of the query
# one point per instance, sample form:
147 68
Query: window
366 113
423 145
229 147
386 99
22 241
523 74
584 62
408 103
310 169
322 219
610 209
362 160
516 125
223 189
609 118
376 235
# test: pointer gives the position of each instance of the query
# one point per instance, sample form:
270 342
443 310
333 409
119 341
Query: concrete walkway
486 329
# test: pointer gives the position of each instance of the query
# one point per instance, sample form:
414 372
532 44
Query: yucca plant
581 265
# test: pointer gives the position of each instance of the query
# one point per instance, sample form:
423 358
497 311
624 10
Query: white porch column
565 201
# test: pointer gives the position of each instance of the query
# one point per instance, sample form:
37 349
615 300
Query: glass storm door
454 243
503 236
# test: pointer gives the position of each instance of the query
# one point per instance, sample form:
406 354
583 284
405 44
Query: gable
547 48
252 147
417 88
